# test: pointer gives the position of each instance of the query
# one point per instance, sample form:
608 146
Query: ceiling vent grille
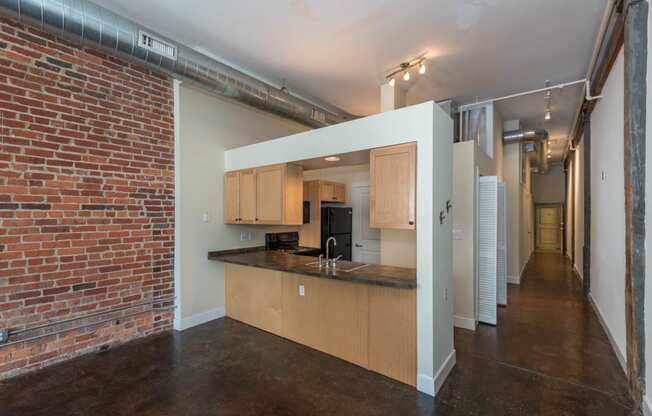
154 44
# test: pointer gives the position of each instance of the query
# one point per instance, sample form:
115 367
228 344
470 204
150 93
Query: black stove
288 242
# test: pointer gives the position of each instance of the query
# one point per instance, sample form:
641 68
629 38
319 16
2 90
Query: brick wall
86 194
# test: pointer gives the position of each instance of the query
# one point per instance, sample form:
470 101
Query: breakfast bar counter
361 313
346 271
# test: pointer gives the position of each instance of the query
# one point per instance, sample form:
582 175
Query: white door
366 241
488 249
501 260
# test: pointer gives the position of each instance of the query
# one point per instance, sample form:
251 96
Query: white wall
608 206
549 188
578 209
207 126
511 173
568 221
464 247
432 129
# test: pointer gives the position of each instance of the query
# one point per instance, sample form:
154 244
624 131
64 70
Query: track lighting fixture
405 67
548 98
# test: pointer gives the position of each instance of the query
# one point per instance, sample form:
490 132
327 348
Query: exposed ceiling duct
93 25
536 137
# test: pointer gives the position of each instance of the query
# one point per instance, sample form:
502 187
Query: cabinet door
247 198
339 192
392 190
231 197
270 194
325 191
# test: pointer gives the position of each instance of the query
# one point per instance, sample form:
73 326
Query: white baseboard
647 406
514 280
621 358
464 323
426 384
445 370
198 319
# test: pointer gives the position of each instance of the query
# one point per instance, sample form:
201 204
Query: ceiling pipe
537 136
84 22
523 136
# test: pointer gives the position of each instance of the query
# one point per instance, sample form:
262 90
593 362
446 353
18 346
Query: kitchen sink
346 268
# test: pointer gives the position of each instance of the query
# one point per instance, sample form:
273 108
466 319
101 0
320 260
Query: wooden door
270 194
548 231
392 190
247 197
231 197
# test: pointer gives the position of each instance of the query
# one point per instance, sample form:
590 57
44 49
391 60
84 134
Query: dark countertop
373 274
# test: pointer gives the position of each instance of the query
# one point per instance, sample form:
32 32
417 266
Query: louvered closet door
501 260
488 249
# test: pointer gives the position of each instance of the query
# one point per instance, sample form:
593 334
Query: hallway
548 356
548 350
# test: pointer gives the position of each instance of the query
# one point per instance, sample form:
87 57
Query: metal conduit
13 333
93 25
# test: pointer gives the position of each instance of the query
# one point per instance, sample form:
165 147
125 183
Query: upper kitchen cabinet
267 195
392 190
332 191
240 197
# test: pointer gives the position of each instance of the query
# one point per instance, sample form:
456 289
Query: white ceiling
340 50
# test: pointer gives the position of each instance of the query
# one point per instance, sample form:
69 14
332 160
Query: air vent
154 44
318 115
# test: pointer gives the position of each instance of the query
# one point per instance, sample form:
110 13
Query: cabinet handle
411 222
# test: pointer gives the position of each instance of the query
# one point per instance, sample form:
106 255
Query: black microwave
306 212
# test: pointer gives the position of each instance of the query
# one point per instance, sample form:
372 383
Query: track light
404 68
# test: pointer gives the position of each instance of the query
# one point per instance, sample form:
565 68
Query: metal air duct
522 136
539 138
93 25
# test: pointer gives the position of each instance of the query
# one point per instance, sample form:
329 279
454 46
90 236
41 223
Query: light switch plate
206 218
243 236
302 290
458 234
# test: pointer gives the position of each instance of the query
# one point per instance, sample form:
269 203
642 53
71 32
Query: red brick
85 129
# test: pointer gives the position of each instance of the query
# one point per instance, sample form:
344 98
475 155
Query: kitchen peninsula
361 313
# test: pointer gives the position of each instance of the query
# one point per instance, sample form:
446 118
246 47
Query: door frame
560 207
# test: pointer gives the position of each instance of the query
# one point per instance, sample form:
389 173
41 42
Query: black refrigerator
337 222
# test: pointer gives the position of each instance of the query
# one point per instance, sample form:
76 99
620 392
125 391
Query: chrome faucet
328 249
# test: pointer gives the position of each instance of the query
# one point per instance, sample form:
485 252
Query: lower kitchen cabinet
371 326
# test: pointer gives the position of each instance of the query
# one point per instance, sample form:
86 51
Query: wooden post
636 21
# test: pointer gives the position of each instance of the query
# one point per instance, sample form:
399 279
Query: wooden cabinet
371 326
392 187
231 197
332 191
267 195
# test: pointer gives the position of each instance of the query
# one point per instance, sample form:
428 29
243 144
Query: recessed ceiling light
332 158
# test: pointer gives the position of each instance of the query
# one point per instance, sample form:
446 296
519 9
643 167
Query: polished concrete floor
547 356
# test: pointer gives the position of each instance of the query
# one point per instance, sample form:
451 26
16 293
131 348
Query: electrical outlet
249 236
302 290
243 236
206 218
4 335
446 294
